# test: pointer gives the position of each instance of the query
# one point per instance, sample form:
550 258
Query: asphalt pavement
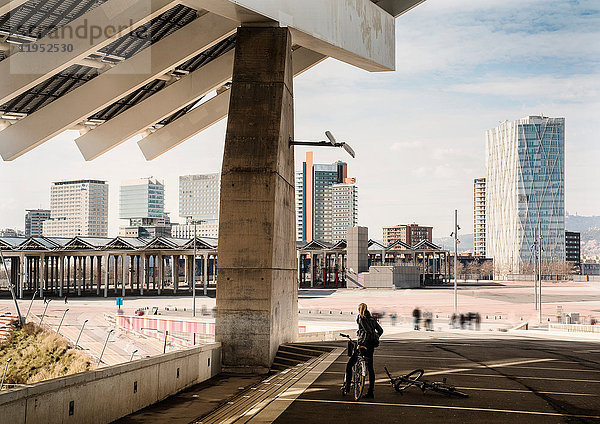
508 379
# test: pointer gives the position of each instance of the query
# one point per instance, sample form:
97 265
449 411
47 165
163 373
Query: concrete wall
407 277
390 277
107 394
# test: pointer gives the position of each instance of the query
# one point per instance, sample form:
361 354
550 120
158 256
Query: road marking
533 378
445 358
529 391
555 369
457 408
500 365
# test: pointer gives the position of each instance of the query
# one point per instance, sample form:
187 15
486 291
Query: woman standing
368 334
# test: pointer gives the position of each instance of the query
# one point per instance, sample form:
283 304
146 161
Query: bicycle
400 384
359 371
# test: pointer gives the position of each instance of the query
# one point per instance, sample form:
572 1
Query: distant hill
466 242
581 223
589 227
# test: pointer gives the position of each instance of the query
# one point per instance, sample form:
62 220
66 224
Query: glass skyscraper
142 202
142 198
525 188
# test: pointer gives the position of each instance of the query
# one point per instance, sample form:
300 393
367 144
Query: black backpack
370 336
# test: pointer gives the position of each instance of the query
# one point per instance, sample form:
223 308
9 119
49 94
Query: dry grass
39 355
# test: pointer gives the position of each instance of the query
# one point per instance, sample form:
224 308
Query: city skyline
486 63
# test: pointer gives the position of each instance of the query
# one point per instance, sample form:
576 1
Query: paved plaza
508 379
501 305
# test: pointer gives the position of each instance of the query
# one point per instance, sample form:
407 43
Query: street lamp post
455 234
132 353
80 332
4 375
44 314
535 270
539 241
165 345
194 277
104 347
61 320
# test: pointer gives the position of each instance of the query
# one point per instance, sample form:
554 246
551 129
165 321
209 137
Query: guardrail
575 328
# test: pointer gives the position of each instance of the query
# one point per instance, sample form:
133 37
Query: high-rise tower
142 202
78 208
525 191
314 212
479 217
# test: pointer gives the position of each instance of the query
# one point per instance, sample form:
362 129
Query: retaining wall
107 394
575 328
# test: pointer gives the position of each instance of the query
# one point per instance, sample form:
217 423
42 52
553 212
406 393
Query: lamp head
331 138
349 150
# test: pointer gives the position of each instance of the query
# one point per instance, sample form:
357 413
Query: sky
462 66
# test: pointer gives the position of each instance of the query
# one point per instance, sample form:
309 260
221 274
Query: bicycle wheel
405 381
360 374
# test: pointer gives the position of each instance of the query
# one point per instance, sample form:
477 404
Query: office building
590 268
33 221
410 234
11 232
312 213
199 197
573 249
525 191
142 203
341 211
78 208
479 217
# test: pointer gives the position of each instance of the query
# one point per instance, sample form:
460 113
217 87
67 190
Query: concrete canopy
358 32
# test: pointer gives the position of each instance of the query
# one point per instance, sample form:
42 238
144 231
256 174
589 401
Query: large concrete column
61 272
106 274
21 275
161 271
175 272
124 273
257 298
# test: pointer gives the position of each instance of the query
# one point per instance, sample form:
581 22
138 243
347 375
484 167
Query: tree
487 269
473 269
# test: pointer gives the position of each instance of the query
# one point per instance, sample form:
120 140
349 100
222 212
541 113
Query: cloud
576 88
454 37
402 146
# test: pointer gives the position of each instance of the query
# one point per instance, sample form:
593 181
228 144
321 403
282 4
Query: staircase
246 405
292 354
5 325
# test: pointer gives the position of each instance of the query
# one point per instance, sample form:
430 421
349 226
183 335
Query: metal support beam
156 108
210 112
105 89
115 18
10 5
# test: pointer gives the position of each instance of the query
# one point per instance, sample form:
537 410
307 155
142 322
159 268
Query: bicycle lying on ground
359 371
413 378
